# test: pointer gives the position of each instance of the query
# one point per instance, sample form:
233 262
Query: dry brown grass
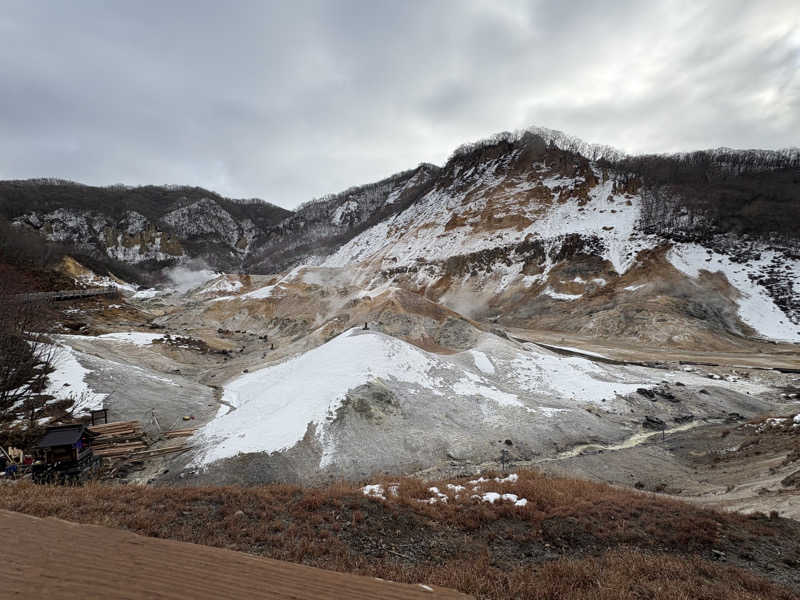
574 539
623 574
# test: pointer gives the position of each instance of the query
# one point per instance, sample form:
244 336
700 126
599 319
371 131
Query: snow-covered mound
272 409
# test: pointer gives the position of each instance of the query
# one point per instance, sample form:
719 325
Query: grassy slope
574 539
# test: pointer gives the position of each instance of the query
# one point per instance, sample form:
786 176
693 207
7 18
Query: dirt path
52 558
752 355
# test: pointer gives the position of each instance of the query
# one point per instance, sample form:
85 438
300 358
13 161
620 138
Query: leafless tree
26 356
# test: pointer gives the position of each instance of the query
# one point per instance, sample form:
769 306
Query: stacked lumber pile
176 433
118 439
126 439
160 451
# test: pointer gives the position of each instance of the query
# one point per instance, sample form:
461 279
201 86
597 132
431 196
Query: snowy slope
423 231
502 226
67 381
756 308
273 407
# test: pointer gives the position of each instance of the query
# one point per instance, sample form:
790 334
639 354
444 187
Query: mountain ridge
525 221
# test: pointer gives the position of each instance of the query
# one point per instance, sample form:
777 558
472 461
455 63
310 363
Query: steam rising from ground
189 275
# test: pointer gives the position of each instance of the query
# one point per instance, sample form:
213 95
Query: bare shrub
25 354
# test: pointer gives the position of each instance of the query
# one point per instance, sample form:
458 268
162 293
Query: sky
287 101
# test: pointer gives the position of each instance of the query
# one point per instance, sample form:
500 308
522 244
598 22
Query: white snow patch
345 208
374 490
67 381
438 496
577 351
133 337
572 378
223 284
94 280
482 362
472 385
270 290
512 478
529 280
492 497
260 293
548 291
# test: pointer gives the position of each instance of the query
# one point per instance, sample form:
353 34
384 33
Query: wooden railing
66 294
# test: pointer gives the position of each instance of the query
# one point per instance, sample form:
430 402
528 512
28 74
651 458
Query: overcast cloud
286 101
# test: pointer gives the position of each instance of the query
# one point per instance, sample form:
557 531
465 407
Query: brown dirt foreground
574 539
116 564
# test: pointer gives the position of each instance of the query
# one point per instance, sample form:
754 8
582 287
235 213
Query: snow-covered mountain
519 235
510 211
519 230
524 236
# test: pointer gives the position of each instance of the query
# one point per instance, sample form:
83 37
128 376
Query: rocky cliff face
140 225
321 226
131 239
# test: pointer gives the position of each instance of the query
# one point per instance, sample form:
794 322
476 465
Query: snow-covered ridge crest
357 189
551 137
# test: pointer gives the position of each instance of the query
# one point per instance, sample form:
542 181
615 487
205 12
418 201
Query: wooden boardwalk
51 558
66 294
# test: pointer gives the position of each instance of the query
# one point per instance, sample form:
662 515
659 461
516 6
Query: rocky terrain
553 303
147 226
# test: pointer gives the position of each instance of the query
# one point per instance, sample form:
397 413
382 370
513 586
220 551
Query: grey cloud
289 101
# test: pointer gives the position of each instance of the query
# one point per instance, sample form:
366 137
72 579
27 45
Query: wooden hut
65 453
